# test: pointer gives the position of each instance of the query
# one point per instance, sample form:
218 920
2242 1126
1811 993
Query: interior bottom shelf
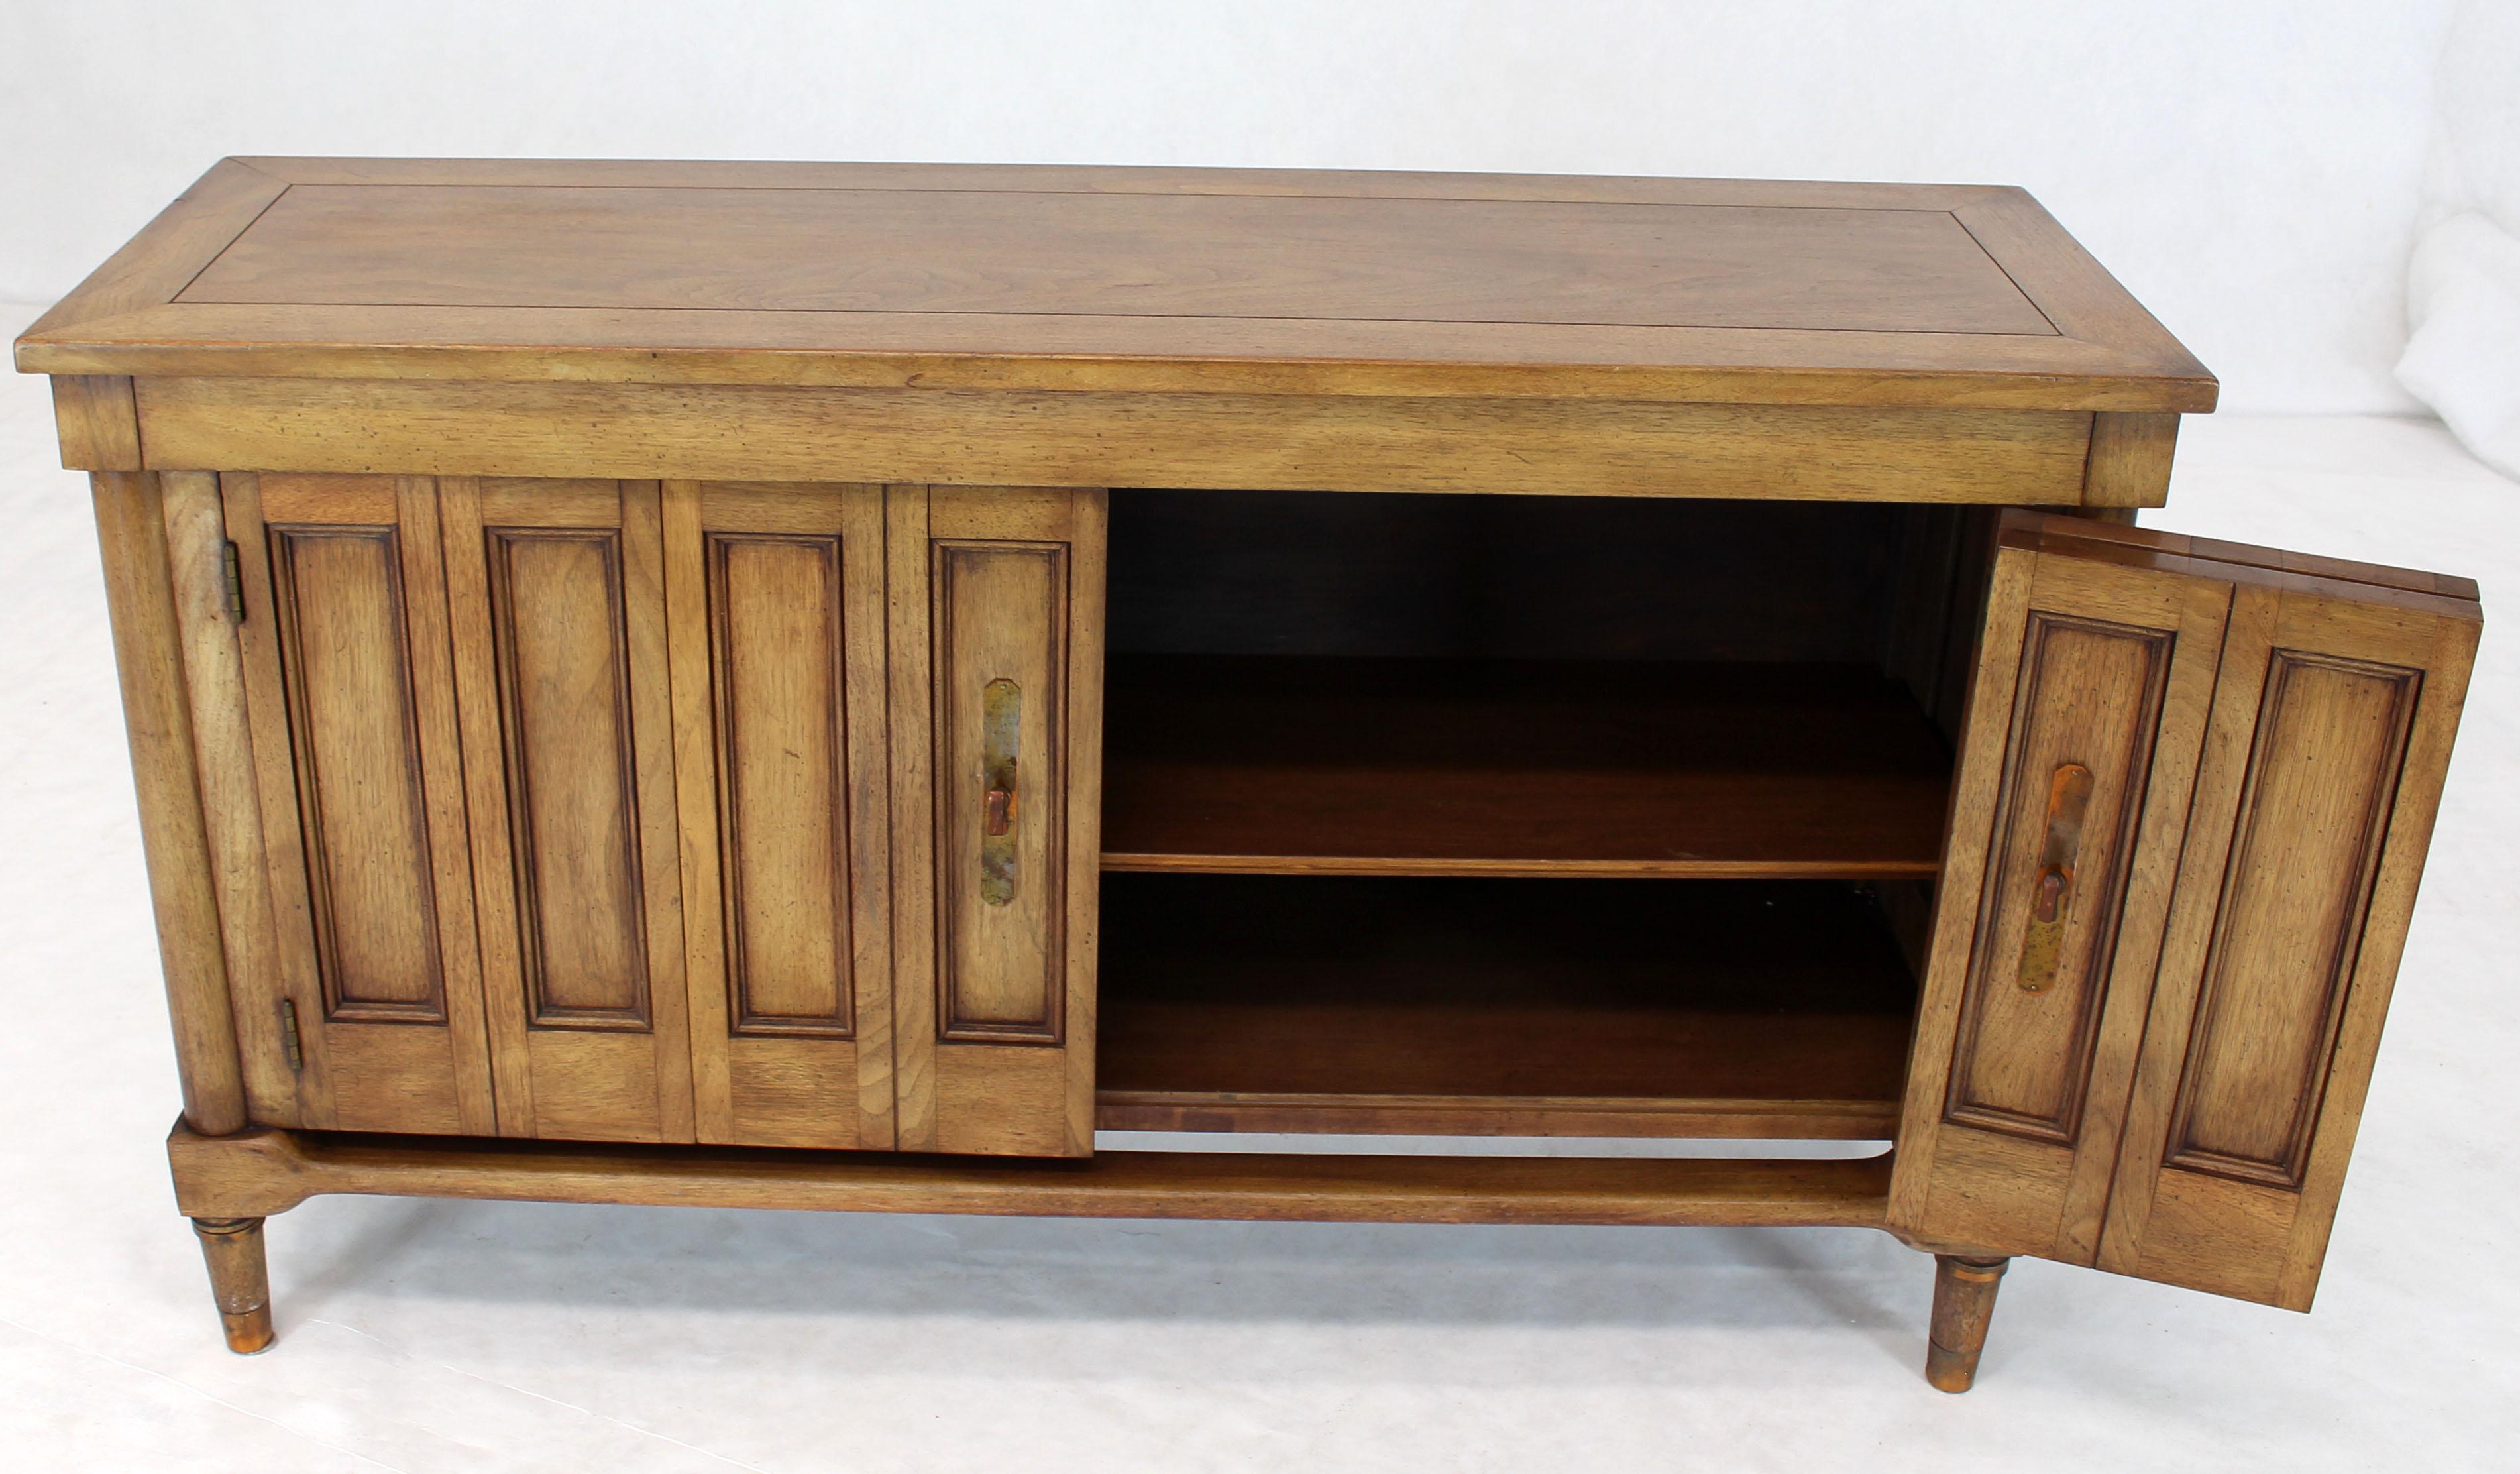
1499 1007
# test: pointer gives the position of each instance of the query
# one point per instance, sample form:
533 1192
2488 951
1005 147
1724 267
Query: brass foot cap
1948 1370
248 1331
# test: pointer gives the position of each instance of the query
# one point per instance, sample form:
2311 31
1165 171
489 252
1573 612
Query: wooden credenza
821 686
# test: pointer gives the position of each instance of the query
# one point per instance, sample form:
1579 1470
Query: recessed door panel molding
2330 742
776 650
345 660
776 620
2331 733
1000 635
2086 713
557 594
346 669
2079 751
558 633
996 667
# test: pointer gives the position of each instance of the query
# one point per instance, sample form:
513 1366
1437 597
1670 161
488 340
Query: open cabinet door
2322 771
996 623
2196 785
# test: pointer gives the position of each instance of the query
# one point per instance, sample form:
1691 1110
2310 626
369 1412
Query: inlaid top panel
1046 253
1162 280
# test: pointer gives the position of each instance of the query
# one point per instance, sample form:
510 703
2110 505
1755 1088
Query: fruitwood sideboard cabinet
824 687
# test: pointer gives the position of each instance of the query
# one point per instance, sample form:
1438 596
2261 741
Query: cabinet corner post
149 656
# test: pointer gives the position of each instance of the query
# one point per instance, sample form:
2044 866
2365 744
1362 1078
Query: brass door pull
2050 903
1001 728
2051 899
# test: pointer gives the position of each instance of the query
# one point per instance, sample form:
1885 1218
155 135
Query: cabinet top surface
1126 279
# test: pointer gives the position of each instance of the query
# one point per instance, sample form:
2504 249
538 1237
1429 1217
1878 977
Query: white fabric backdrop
2250 168
2463 289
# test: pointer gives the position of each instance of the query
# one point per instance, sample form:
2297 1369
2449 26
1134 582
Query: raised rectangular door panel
2331 732
776 617
2197 784
996 670
2077 755
346 667
557 594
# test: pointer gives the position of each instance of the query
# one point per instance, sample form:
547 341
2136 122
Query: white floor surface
433 1336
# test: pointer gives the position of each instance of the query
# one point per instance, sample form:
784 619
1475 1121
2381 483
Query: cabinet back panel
1558 577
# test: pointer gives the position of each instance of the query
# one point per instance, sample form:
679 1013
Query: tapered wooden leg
238 1282
1963 1304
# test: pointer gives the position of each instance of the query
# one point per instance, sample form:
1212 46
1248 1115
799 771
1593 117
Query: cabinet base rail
228 1185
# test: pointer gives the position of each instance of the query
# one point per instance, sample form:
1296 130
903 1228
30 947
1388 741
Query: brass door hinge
288 1044
233 580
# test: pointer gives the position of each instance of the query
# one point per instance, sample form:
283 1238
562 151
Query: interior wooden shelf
1497 1007
1275 765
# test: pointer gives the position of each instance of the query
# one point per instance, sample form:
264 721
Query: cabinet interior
1523 814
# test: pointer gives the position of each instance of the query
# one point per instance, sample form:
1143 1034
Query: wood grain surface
2179 1105
1560 447
1499 1007
776 620
993 1000
265 1172
1289 764
149 640
1137 280
351 694
557 592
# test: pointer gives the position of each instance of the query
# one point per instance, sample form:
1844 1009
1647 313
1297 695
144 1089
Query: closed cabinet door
373 991
2196 786
995 674
776 623
555 596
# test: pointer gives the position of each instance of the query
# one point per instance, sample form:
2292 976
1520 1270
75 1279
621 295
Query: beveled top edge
2107 352
1392 184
